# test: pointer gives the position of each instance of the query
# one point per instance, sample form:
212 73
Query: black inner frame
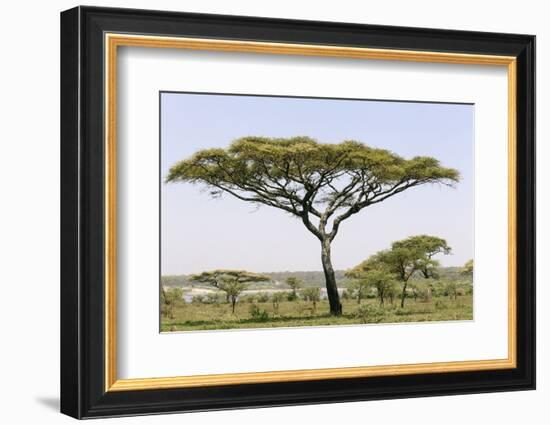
82 212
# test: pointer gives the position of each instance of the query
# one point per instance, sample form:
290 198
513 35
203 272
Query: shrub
346 295
291 296
199 299
262 297
313 295
212 299
276 299
369 313
169 299
258 314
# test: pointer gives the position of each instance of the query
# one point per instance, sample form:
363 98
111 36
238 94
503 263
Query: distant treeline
308 278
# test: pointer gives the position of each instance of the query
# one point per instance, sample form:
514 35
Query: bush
369 313
276 299
212 299
199 299
258 314
425 293
262 297
169 299
291 296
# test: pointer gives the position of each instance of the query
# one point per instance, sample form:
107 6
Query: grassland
201 316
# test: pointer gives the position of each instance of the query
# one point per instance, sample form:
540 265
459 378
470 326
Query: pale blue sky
199 233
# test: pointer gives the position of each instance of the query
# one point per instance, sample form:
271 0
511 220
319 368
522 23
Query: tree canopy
308 179
294 283
217 277
405 258
468 268
376 277
232 282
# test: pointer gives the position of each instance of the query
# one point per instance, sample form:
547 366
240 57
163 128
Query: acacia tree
468 269
294 283
358 289
276 299
407 257
169 298
232 282
321 184
376 277
428 247
313 295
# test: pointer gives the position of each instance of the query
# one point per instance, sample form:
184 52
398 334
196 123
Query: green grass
195 316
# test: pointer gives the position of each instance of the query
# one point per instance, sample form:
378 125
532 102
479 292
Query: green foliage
454 289
307 278
212 299
257 314
421 291
371 275
198 299
189 317
274 171
232 282
468 269
294 283
169 299
304 177
405 258
276 299
312 295
369 313
262 297
215 277
358 289
291 296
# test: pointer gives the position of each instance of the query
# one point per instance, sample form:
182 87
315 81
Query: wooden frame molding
113 41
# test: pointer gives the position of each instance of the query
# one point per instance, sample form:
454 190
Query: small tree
276 299
294 283
262 297
358 289
407 257
468 269
421 290
368 275
169 298
312 295
454 289
232 282
392 291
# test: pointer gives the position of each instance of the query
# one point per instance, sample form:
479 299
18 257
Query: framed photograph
261 212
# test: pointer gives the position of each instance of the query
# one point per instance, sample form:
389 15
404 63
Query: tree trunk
330 280
403 295
233 302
